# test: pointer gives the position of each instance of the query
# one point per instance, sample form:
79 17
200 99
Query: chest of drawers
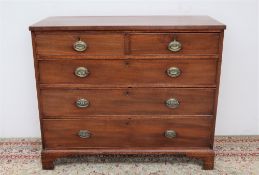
127 85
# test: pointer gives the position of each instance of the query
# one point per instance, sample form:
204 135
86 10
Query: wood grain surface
129 132
107 23
192 43
129 73
128 101
62 44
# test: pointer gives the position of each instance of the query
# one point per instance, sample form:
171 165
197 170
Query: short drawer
127 132
75 43
127 101
175 43
140 73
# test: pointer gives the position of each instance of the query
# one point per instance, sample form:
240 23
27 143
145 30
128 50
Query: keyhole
127 63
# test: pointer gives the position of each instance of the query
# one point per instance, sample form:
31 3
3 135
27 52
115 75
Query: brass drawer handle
82 103
84 134
174 46
170 134
173 72
81 72
172 103
80 46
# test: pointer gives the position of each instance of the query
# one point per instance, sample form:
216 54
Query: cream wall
238 100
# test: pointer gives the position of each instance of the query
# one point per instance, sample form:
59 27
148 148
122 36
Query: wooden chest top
128 23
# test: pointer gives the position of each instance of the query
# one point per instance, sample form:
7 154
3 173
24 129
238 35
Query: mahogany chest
127 85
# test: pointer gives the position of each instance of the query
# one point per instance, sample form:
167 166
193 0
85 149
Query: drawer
95 44
188 43
132 73
127 132
127 101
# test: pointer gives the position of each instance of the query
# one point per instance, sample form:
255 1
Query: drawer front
129 101
127 132
63 44
190 43
156 73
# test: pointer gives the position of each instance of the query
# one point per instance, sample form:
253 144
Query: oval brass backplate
80 46
170 134
173 72
174 46
84 134
82 103
81 72
172 103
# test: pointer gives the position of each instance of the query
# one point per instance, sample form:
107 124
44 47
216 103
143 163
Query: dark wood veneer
127 132
133 73
62 44
127 86
124 23
131 101
192 43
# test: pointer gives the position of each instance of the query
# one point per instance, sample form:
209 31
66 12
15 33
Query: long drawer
127 101
129 73
127 132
